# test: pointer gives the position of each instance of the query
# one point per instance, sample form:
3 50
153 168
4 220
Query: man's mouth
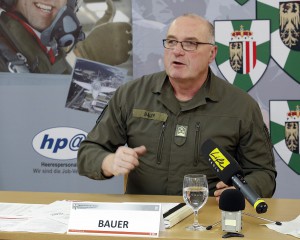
177 63
43 7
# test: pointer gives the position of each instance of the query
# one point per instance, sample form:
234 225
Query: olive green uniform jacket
146 112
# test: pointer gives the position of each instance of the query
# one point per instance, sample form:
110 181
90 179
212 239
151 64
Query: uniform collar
162 77
212 88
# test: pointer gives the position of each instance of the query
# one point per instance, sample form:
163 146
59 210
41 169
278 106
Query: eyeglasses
186 45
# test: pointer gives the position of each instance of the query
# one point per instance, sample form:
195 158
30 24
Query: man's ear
213 53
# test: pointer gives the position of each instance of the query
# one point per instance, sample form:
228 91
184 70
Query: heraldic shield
244 50
284 129
285 32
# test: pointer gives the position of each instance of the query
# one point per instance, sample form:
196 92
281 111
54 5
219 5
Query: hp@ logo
58 143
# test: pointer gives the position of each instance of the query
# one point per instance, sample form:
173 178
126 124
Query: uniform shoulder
225 86
232 95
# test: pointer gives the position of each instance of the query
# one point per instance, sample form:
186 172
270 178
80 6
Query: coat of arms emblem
284 128
243 50
285 32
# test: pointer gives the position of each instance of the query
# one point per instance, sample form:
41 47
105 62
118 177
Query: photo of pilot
39 36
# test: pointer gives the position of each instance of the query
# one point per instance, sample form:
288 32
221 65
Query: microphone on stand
229 171
231 203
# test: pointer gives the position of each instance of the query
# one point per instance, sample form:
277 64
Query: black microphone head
222 163
232 200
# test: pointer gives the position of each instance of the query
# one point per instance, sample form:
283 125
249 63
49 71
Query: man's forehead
187 27
183 23
190 18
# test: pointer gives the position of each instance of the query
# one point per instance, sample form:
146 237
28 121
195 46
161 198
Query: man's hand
220 188
122 161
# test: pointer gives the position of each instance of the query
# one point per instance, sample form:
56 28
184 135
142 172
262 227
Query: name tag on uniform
121 219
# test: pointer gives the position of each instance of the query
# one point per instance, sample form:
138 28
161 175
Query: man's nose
178 48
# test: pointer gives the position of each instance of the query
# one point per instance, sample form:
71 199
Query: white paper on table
10 222
39 225
58 211
18 209
51 218
291 227
13 214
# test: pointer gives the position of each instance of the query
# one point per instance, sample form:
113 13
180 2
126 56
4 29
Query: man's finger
141 150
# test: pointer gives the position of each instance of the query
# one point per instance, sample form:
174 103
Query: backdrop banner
40 137
45 117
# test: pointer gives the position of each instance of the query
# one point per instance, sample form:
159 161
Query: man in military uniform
165 117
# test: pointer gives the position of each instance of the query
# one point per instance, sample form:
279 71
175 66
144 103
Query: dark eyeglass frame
182 45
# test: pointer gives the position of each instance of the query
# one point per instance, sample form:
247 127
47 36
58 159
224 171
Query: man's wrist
106 167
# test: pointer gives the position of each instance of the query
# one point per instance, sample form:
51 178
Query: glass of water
195 195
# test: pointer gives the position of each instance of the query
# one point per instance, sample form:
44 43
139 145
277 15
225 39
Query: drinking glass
195 195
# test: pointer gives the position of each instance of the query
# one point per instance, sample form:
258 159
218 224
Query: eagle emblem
284 129
290 24
284 16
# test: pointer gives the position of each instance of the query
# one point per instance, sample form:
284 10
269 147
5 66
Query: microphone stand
227 235
211 226
265 219
247 214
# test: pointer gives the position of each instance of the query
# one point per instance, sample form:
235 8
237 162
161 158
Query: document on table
290 227
18 209
52 217
12 214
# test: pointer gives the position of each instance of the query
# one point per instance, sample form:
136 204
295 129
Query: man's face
181 64
40 13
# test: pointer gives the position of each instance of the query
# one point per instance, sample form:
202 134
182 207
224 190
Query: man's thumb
141 150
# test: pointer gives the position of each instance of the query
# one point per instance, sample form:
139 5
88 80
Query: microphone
229 171
232 202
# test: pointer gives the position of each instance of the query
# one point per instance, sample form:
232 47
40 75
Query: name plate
122 219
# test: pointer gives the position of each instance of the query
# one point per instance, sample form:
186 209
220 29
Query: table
279 210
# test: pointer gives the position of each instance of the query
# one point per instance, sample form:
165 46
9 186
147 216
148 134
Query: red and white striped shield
249 56
242 56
